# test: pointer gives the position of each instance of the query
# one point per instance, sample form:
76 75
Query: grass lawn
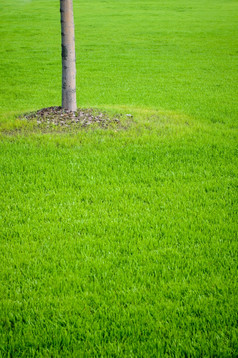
121 243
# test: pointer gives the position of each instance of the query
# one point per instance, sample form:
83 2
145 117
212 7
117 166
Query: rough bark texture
68 56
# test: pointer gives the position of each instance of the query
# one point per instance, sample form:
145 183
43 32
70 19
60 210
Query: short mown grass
120 242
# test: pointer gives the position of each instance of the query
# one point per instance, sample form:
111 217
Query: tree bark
68 56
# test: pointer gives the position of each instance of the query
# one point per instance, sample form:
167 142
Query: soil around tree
59 117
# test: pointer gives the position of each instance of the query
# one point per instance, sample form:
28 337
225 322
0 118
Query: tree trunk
68 56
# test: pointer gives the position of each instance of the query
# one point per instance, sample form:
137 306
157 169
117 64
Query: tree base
57 116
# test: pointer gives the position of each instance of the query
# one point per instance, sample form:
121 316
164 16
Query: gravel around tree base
57 116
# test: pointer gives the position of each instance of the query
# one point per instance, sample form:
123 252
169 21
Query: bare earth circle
57 116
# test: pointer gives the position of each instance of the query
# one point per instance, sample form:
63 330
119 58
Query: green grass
121 243
170 55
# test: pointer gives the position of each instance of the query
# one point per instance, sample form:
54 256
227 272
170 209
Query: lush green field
173 55
121 243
